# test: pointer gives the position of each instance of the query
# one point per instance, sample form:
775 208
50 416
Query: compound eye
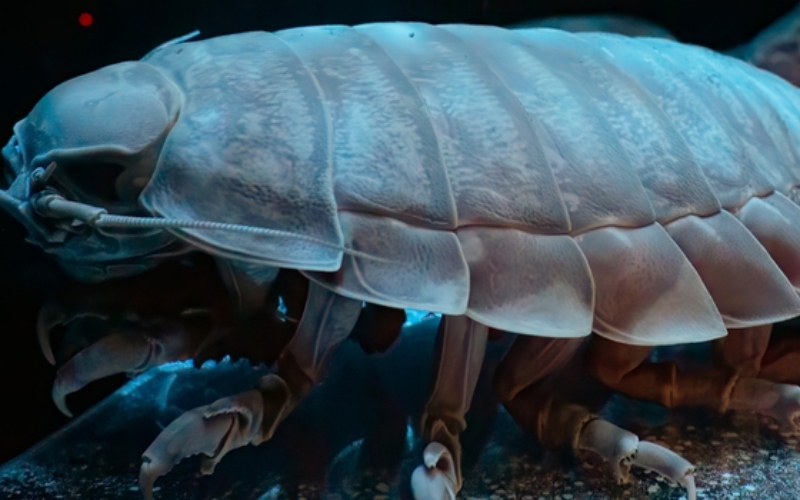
93 183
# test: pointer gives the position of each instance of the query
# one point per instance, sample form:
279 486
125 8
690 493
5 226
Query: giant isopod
543 183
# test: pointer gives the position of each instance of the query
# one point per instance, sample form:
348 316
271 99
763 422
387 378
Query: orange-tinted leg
539 381
626 369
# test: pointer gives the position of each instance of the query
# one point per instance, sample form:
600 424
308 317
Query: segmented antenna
105 220
50 204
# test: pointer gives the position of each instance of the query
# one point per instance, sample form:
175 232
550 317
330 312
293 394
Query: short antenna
169 43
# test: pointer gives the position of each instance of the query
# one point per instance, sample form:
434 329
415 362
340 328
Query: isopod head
95 139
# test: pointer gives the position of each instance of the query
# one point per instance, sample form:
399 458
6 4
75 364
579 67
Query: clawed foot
779 401
439 478
436 479
52 315
126 347
622 449
249 418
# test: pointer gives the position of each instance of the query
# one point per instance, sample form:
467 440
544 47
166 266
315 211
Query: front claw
212 430
131 349
436 479
52 315
117 352
622 449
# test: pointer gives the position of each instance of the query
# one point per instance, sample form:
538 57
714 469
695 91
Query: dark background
43 44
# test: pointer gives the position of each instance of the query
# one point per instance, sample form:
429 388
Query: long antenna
105 220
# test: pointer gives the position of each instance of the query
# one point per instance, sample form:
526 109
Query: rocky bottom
351 439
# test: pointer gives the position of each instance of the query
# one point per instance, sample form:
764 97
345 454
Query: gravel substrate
352 439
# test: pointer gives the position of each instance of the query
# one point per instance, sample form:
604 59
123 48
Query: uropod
534 181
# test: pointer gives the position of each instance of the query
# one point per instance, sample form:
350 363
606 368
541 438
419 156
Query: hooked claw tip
47 319
668 464
433 453
59 395
188 435
44 344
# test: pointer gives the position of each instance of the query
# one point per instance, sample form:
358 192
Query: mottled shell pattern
539 182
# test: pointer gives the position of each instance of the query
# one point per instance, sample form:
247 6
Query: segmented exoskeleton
533 181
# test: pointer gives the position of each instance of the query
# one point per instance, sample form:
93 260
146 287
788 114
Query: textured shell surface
581 95
536 180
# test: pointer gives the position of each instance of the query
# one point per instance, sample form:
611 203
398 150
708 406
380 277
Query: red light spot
85 19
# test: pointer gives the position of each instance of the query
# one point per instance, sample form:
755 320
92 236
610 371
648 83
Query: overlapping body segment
702 119
422 129
252 124
736 98
320 145
441 90
533 181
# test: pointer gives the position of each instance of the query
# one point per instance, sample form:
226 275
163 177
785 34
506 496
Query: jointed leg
747 352
460 348
539 384
101 338
730 384
531 359
523 382
132 348
779 359
626 369
781 362
252 417
743 350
